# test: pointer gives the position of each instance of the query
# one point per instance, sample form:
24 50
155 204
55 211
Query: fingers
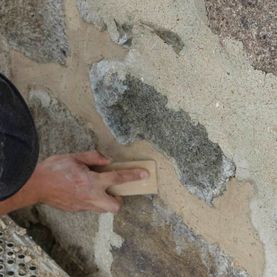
91 158
116 177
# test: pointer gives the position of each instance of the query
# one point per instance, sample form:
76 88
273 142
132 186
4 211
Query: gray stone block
134 110
36 28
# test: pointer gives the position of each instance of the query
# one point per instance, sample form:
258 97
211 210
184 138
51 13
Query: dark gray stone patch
134 110
254 22
158 243
36 28
169 37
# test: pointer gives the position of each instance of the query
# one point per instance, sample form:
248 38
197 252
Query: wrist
30 191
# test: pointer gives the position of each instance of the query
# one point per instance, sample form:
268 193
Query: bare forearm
26 196
66 182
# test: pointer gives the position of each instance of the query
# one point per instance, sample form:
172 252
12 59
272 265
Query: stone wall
189 84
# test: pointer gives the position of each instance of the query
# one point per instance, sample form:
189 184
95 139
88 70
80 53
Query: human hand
66 182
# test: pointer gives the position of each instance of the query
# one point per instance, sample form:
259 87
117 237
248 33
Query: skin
67 182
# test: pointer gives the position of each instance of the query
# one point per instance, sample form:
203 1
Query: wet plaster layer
254 22
214 81
36 28
134 110
227 222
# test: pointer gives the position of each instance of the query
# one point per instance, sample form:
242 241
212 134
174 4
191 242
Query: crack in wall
134 110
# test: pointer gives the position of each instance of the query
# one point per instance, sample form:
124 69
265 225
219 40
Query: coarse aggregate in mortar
36 28
134 110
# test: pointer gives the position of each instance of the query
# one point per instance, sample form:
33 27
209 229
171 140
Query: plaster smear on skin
104 241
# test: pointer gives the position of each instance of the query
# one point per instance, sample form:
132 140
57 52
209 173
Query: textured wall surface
212 79
92 237
134 110
160 77
36 28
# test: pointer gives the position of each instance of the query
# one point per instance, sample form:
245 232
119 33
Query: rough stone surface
61 132
254 22
36 28
134 110
158 243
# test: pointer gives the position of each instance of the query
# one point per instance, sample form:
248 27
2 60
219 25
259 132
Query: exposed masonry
158 243
36 28
59 131
251 21
134 110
